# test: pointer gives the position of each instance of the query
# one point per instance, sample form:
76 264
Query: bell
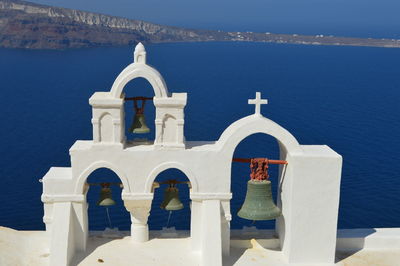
171 200
105 197
139 125
258 204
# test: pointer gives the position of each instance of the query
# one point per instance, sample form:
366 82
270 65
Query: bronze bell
258 204
139 125
105 196
171 200
139 122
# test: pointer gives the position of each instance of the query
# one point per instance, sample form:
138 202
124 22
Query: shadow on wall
351 241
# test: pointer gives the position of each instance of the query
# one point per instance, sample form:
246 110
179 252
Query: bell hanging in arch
258 204
105 196
171 200
139 125
139 122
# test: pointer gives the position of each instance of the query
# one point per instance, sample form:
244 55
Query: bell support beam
138 98
248 160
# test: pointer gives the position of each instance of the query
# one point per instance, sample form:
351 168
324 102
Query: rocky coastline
32 26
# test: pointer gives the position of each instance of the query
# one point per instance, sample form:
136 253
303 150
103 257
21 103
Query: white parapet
368 238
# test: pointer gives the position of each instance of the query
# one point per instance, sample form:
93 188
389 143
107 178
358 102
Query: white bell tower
108 107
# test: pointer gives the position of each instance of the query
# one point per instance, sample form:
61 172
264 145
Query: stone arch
96 165
140 70
168 165
253 124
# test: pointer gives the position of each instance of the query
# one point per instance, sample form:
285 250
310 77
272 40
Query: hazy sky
375 18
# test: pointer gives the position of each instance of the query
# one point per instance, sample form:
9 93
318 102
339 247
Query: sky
359 18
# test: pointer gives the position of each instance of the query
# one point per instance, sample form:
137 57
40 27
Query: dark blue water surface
345 97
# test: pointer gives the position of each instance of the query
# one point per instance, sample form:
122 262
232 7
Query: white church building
308 189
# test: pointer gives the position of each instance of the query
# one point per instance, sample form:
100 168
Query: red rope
139 110
259 167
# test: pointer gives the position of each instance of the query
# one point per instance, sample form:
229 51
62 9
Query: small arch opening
257 145
167 220
97 215
139 87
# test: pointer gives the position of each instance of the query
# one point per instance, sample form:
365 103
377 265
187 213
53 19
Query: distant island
33 26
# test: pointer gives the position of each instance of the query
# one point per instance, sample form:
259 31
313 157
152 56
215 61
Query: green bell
258 204
139 125
105 197
171 200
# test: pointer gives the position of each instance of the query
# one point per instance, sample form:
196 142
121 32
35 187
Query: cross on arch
258 102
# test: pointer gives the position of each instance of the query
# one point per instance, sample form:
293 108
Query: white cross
258 102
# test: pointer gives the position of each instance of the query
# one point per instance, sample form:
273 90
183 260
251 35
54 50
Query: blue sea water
345 97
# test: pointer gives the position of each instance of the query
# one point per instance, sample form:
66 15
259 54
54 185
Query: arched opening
169 222
117 217
139 87
257 145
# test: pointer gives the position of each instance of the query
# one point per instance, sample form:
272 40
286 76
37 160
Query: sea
345 97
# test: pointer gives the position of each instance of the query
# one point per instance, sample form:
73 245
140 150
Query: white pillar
310 203
226 218
140 211
48 216
195 225
81 226
211 245
62 242
139 226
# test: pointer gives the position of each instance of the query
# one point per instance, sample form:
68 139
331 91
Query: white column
139 226
81 227
310 202
211 224
48 216
195 225
62 242
226 218
139 210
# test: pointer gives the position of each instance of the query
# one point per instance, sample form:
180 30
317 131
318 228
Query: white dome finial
139 56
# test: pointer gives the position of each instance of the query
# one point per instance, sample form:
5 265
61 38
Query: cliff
28 25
